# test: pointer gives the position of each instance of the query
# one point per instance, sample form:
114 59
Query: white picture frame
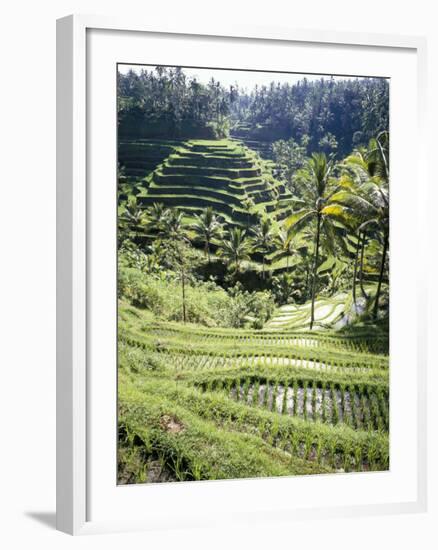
75 217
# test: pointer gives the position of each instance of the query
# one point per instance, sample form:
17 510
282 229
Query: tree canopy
328 115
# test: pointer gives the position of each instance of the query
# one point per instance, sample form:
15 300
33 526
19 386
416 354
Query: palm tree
207 227
361 263
282 285
235 248
378 160
131 219
174 231
354 177
316 194
172 225
351 222
155 216
263 239
248 204
366 196
286 247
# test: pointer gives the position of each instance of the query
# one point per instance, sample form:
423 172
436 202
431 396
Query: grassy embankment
205 403
192 175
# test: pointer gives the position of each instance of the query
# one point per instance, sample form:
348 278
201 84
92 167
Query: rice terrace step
253 275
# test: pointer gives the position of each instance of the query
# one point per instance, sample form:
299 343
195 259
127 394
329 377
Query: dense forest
253 285
327 114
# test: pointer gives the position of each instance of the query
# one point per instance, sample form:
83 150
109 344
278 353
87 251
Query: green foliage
325 114
191 401
253 295
207 227
162 296
235 248
289 156
140 291
206 303
255 307
191 447
285 288
165 103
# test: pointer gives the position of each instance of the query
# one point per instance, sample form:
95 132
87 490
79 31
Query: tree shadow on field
45 518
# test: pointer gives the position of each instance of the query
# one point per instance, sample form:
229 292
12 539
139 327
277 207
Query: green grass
327 312
199 173
191 447
191 175
139 158
200 401
215 403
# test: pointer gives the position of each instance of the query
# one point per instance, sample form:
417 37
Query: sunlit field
253 281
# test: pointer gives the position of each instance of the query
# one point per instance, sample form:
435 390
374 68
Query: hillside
198 403
138 158
253 275
192 175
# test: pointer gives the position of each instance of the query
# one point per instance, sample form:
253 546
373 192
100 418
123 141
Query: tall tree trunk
307 282
315 267
356 259
382 270
207 251
183 282
362 250
263 266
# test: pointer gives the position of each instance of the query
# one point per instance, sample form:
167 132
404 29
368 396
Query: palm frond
291 221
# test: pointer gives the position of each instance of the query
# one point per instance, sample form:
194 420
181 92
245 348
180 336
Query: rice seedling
335 411
285 395
304 390
321 400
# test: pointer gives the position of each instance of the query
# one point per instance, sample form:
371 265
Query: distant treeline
164 103
327 114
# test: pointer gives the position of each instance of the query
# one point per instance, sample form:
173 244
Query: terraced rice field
141 157
207 403
264 148
328 311
192 175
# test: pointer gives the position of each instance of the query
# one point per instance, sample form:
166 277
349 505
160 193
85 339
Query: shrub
253 308
140 290
205 302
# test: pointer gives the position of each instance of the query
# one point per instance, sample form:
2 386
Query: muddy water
311 403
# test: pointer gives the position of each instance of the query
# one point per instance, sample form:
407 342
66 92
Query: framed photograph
240 335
